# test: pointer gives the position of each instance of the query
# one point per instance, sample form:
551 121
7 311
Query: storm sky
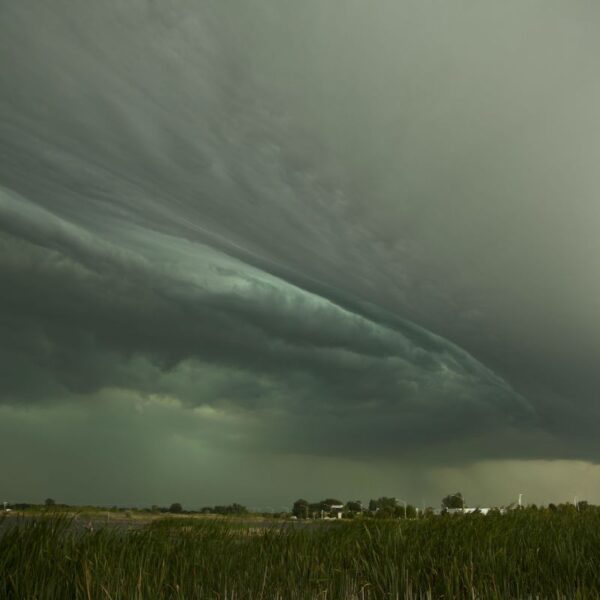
252 251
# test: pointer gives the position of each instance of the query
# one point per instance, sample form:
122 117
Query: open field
94 519
519 555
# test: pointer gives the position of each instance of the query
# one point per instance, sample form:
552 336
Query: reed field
523 554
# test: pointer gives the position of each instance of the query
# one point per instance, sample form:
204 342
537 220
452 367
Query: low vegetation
523 554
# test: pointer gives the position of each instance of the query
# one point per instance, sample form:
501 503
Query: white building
465 511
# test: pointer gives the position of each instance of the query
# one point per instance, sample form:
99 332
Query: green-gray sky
251 251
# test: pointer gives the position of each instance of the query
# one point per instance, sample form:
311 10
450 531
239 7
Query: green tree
301 509
237 509
231 509
175 508
453 501
385 507
387 503
49 502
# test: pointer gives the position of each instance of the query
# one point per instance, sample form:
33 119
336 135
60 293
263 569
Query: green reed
519 555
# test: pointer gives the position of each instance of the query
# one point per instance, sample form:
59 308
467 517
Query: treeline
174 508
230 509
391 508
382 508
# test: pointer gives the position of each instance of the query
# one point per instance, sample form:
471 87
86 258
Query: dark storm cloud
371 228
82 313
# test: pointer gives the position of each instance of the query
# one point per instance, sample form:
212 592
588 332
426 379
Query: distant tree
230 509
383 503
386 502
314 509
175 508
206 510
237 509
301 509
385 508
583 505
354 506
453 501
567 507
49 502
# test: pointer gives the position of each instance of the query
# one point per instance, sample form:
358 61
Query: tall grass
519 555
